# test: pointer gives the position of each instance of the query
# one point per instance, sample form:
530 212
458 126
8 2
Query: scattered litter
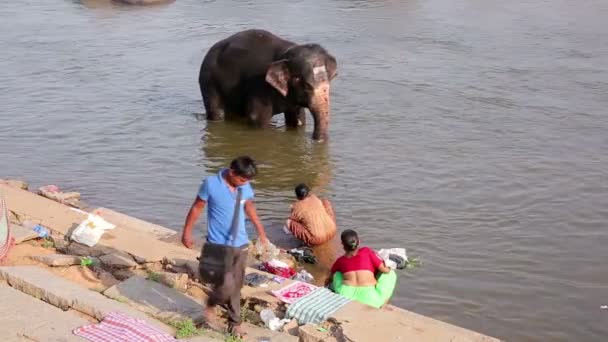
604 307
394 258
266 251
304 276
90 230
39 229
278 280
86 261
271 321
321 329
304 254
256 279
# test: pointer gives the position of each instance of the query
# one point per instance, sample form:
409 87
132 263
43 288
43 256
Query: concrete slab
57 259
360 322
22 234
156 299
118 260
26 318
255 333
42 284
134 224
62 219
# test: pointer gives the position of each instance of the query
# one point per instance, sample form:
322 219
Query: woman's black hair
350 240
302 191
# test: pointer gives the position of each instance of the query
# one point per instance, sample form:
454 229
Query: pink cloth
293 291
6 241
120 327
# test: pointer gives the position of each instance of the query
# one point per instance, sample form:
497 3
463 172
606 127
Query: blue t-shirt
221 203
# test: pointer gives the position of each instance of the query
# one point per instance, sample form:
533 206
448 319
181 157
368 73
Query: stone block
15 183
124 274
76 248
310 333
22 234
292 328
118 260
44 285
57 259
177 281
256 333
25 318
156 299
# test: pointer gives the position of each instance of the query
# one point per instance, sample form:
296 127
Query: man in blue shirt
228 197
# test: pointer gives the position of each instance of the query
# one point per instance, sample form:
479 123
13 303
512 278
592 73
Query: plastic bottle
42 231
266 315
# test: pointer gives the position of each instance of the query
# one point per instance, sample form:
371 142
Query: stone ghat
135 249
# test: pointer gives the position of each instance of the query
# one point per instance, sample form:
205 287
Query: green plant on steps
232 338
48 243
186 328
153 276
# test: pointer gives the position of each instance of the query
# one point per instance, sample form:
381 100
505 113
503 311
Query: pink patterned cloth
293 291
6 238
118 327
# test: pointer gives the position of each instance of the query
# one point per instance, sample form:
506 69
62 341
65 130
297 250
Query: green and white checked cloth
316 306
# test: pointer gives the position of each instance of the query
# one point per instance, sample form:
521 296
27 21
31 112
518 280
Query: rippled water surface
474 133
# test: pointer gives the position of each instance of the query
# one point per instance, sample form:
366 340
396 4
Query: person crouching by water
312 220
360 274
228 195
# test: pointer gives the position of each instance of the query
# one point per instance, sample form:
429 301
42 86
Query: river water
473 133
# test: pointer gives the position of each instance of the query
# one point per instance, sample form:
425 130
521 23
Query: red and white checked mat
118 327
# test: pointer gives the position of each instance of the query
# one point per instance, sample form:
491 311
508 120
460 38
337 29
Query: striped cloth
118 327
6 239
316 306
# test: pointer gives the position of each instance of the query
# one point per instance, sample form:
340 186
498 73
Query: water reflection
284 158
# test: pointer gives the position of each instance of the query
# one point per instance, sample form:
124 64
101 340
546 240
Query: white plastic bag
385 253
304 277
90 230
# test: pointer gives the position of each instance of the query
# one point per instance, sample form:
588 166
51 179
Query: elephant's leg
295 117
214 105
259 111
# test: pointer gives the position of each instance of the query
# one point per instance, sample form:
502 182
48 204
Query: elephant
254 75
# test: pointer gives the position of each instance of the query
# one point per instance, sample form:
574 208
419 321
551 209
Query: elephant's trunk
319 108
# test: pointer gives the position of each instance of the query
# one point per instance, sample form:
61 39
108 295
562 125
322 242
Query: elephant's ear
278 76
332 67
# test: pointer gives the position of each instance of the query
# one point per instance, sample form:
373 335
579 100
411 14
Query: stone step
57 259
21 234
156 299
42 284
134 224
26 318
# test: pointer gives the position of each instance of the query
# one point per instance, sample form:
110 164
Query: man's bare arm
253 216
193 215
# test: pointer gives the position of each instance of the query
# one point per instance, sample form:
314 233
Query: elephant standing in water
255 74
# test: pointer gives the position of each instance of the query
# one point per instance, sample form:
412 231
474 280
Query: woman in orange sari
312 220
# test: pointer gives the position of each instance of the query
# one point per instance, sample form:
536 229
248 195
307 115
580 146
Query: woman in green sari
361 275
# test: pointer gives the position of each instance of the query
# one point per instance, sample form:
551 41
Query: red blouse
366 259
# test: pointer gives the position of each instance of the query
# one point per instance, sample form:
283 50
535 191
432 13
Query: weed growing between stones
186 328
153 276
48 243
